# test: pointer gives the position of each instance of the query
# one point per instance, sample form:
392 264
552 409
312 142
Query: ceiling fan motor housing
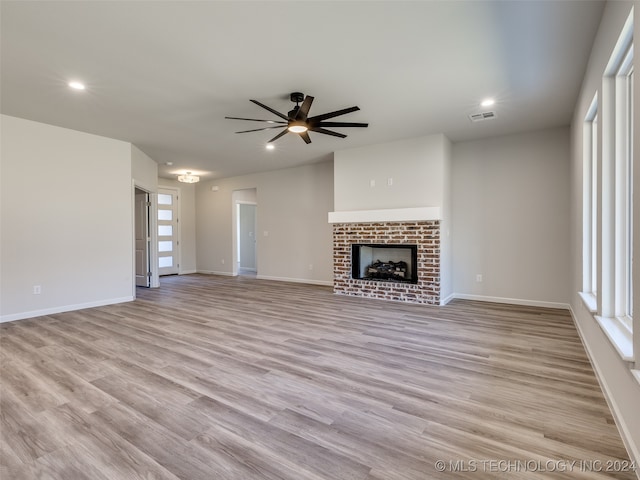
297 97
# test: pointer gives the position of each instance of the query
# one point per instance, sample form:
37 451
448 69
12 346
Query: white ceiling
163 75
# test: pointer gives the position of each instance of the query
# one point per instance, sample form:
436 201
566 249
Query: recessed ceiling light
270 146
77 85
487 102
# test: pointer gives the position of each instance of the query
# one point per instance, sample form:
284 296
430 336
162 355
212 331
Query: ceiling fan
298 121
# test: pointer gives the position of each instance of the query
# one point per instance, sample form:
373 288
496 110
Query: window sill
614 328
590 301
619 335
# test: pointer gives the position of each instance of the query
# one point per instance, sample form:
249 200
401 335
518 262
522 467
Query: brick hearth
424 234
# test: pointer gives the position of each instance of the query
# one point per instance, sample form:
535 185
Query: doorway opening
246 225
142 238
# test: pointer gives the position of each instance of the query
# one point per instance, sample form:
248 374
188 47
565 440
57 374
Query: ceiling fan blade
305 137
303 111
260 129
337 113
341 124
275 112
255 120
327 132
284 132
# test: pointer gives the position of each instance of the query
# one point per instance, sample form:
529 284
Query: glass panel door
167 232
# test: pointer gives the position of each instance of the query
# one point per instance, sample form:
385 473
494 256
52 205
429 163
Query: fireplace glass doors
384 262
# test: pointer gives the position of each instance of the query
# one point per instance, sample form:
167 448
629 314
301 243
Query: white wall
187 223
66 222
292 207
144 170
420 173
620 388
416 166
510 217
446 245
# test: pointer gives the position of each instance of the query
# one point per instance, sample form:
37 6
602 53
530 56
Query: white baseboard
213 272
444 301
63 308
514 301
326 283
632 448
187 272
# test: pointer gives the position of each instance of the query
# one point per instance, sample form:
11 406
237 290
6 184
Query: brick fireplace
424 234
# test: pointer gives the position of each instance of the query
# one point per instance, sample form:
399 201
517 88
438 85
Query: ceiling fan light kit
298 121
297 127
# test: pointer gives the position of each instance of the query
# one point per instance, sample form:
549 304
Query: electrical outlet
479 278
372 183
222 261
389 181
37 289
311 266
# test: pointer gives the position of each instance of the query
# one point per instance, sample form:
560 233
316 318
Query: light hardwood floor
218 378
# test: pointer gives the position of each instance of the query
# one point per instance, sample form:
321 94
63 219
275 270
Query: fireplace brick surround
424 234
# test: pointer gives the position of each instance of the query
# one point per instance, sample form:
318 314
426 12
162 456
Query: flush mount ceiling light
487 102
76 85
270 146
188 178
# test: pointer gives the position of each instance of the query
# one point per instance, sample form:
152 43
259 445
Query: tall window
607 286
590 206
594 205
623 128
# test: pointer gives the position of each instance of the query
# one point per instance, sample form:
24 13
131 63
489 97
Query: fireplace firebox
384 262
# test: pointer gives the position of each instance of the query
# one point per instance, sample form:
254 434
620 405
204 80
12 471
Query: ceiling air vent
479 117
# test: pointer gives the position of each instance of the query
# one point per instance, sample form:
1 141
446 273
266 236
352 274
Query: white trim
176 193
386 215
326 283
133 238
146 188
64 308
215 272
444 301
625 40
153 225
590 301
188 272
619 336
632 449
235 215
153 235
514 301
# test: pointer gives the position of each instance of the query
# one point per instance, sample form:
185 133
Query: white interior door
168 232
143 273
